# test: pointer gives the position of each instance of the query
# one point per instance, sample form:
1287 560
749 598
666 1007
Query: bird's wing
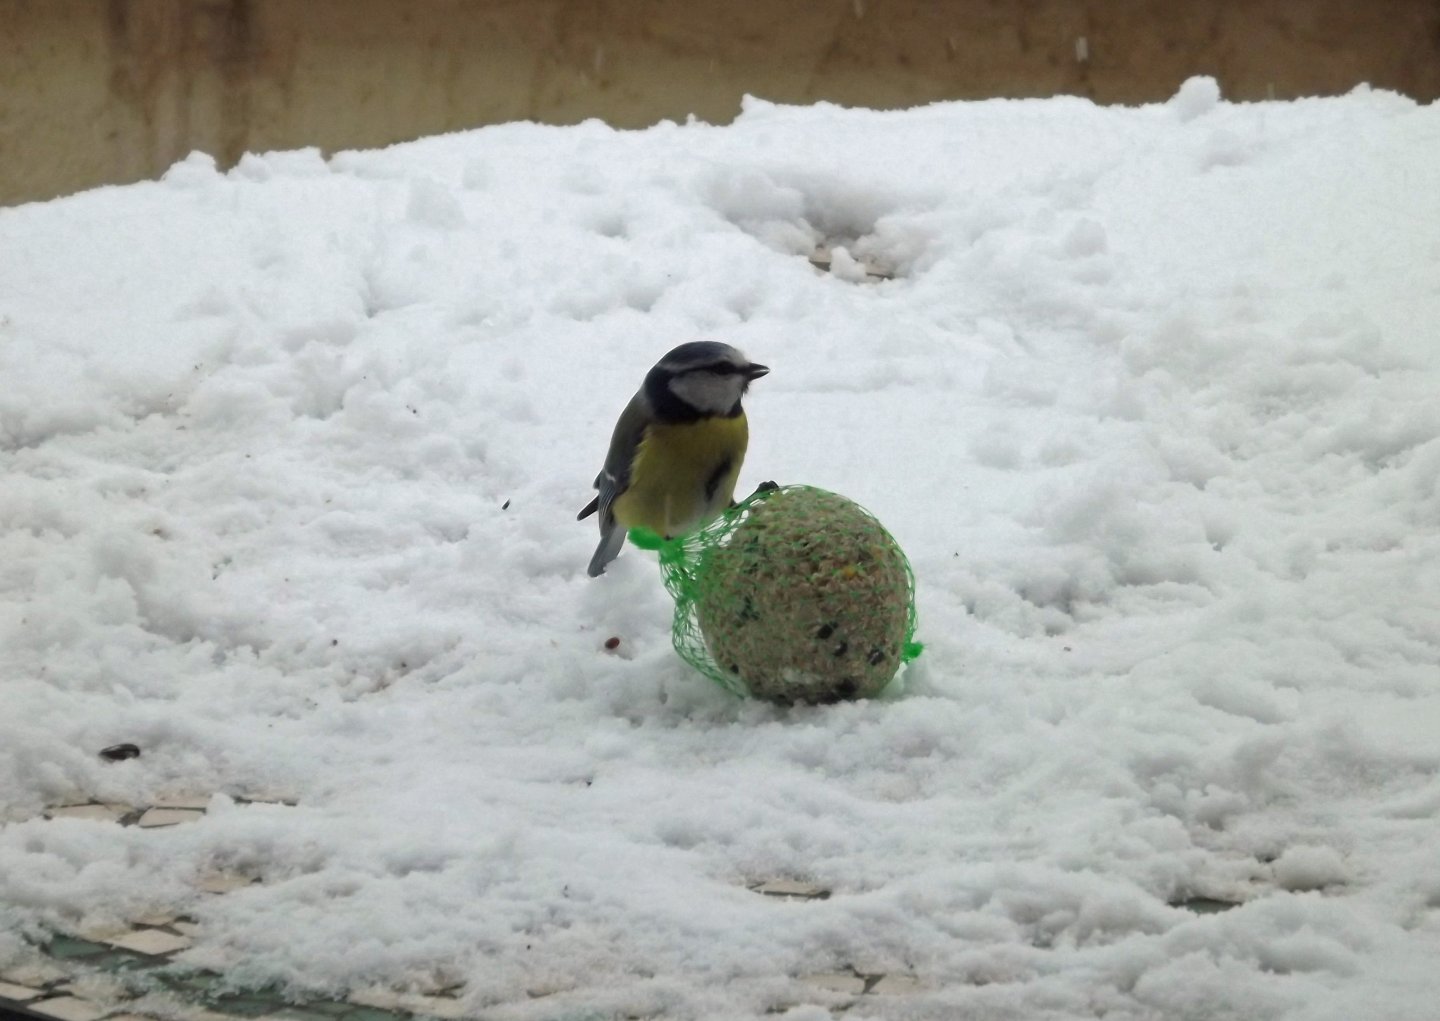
614 478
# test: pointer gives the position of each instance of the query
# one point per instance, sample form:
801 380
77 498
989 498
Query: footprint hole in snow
610 224
856 231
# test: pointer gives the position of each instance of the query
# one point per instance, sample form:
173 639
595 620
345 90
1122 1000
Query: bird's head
699 379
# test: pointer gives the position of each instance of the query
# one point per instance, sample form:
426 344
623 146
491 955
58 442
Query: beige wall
97 91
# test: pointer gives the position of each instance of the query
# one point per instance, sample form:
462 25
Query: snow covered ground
292 456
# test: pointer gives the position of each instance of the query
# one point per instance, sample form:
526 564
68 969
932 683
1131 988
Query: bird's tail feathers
610 544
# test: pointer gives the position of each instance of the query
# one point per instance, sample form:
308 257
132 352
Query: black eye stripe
718 369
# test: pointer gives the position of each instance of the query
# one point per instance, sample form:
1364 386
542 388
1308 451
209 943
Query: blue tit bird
677 449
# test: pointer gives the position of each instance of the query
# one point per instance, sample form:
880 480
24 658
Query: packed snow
292 456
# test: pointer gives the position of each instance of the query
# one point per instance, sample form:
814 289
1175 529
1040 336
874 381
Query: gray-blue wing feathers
614 479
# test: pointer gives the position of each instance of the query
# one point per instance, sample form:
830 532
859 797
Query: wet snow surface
1150 400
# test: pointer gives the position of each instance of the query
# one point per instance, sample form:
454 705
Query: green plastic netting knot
795 595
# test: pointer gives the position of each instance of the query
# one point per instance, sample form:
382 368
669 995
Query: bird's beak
754 371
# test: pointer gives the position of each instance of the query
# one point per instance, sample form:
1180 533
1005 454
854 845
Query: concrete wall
98 91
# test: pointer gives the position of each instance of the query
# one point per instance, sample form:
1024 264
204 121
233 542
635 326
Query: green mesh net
795 595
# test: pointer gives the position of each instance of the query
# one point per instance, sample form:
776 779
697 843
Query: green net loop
795 595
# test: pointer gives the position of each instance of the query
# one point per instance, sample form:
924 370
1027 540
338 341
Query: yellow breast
683 475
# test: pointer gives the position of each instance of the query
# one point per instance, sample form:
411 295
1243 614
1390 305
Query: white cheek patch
707 391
